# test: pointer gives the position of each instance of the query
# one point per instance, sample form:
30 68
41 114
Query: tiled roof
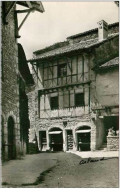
69 48
92 30
110 63
72 47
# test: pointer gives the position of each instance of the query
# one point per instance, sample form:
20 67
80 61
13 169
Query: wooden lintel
101 117
22 11
65 86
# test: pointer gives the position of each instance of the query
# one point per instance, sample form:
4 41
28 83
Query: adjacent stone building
75 101
15 78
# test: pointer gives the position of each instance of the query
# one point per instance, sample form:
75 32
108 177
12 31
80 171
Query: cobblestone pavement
69 173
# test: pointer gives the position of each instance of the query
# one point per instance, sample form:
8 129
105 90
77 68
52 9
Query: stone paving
26 170
96 154
62 170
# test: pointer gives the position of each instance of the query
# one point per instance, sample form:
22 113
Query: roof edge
92 30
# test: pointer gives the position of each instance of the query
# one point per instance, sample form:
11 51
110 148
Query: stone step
103 147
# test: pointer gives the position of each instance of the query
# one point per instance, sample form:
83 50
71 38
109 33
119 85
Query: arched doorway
83 135
11 139
56 139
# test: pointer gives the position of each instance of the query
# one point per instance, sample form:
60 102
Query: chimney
102 30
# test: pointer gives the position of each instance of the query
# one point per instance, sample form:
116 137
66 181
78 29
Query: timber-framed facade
64 108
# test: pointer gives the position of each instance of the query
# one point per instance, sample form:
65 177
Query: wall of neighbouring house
107 87
100 132
24 120
10 87
93 34
14 99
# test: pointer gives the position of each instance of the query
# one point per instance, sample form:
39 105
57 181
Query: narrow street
61 170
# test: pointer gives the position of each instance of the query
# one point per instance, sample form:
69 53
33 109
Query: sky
61 20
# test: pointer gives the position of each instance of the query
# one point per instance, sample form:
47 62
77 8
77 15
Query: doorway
11 139
42 140
56 139
83 136
109 122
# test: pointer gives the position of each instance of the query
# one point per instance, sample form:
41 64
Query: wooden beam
22 11
89 98
51 70
44 101
82 67
67 59
69 98
65 86
71 70
57 70
24 19
29 4
36 73
77 68
43 74
10 8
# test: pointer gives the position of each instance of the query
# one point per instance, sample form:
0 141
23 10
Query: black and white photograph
59 94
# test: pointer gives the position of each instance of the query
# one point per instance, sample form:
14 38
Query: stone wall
114 28
72 123
31 111
100 131
10 80
112 143
107 87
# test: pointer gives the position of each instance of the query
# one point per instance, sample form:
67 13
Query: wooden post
82 68
77 67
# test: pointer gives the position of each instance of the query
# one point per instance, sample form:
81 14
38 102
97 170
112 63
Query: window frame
51 103
78 104
62 70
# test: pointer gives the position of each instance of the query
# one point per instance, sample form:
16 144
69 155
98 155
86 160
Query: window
79 99
54 103
62 70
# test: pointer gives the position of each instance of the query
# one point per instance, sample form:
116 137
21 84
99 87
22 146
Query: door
83 141
42 140
11 139
56 139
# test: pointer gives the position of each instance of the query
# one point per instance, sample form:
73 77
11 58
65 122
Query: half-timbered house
74 93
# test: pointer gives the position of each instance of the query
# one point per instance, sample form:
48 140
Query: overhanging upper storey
8 7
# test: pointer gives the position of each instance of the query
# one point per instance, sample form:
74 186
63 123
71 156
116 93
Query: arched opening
83 134
11 139
56 139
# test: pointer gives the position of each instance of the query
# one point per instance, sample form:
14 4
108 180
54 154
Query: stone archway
56 139
11 138
83 138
